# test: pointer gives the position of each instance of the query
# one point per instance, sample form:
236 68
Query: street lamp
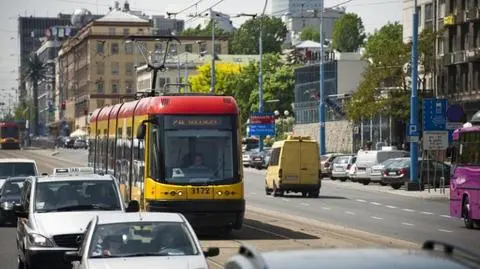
277 114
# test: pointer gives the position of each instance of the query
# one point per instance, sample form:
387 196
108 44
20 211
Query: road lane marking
445 216
445 231
304 204
426 213
375 203
361 201
326 208
408 210
285 199
349 213
391 206
377 218
253 193
407 224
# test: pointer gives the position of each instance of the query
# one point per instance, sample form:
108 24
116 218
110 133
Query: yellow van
294 167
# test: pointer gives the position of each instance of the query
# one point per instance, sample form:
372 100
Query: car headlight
7 205
38 240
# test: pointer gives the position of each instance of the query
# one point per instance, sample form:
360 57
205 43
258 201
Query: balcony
473 55
449 20
472 14
459 57
448 59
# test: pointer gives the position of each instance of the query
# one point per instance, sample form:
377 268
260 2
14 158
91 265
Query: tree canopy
310 33
223 73
383 89
348 33
35 70
245 39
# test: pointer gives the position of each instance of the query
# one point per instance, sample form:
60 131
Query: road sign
413 130
262 130
435 140
434 114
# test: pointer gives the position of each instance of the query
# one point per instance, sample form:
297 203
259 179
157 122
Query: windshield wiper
80 207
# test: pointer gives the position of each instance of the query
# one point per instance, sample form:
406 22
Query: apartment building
457 72
97 66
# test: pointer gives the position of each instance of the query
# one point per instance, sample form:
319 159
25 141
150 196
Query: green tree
34 72
348 33
223 73
310 33
245 39
385 70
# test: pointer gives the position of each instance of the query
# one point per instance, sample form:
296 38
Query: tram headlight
180 193
219 193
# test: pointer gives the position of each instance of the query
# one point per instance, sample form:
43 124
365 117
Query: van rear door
308 163
291 162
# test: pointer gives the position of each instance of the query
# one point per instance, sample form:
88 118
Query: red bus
174 153
9 135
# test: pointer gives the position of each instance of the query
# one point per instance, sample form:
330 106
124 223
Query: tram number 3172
200 191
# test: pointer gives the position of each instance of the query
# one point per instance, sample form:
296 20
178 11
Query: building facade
30 29
97 66
457 72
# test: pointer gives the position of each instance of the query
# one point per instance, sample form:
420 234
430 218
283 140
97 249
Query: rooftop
122 217
92 177
120 16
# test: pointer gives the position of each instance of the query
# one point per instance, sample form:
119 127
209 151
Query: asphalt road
400 217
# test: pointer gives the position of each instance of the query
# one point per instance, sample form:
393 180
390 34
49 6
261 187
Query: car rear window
17 169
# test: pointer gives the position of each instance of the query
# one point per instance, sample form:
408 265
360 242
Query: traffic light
63 105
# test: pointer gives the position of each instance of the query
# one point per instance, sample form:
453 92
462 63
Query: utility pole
414 103
321 108
212 81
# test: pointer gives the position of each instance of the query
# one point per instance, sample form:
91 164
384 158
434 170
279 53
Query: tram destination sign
198 122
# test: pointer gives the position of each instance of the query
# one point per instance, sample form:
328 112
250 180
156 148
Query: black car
9 196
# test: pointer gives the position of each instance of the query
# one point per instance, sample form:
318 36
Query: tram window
198 155
154 155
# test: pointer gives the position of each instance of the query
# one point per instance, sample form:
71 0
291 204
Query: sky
374 14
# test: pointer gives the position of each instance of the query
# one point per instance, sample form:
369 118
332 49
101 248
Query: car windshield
399 163
137 239
388 162
76 195
12 188
16 169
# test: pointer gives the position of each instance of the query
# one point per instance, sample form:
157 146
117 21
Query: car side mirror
133 206
20 212
211 252
141 131
71 256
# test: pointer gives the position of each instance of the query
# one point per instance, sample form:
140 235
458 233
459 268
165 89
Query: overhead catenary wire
187 8
205 10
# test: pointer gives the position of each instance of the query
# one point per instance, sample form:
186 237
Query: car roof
357 258
90 177
16 160
15 178
122 217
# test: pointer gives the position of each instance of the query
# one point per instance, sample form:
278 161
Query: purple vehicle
465 178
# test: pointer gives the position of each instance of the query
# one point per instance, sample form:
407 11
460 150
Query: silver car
341 166
450 257
140 240
54 211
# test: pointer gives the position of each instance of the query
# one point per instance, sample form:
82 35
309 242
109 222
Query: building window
115 68
158 47
100 87
218 48
128 86
100 68
115 86
126 31
114 48
129 48
100 103
189 48
428 12
100 47
111 31
203 47
129 69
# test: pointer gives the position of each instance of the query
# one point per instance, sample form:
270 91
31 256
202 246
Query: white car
16 167
146 240
54 211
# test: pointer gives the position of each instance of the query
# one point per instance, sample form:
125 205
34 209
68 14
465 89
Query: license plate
200 191
258 159
338 169
392 173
